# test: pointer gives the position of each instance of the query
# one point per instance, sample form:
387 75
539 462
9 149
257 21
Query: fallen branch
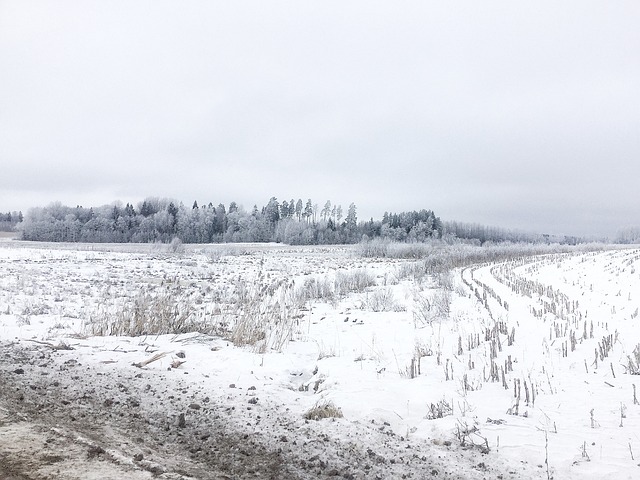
146 362
60 346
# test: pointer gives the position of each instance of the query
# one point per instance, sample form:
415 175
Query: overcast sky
524 115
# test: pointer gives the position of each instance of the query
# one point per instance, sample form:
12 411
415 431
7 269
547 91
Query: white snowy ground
342 351
585 408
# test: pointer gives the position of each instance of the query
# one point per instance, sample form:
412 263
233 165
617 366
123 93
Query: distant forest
292 222
162 220
9 221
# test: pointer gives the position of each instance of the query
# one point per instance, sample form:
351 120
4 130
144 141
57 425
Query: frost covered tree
162 220
326 211
299 209
284 209
308 211
351 223
338 214
9 220
272 210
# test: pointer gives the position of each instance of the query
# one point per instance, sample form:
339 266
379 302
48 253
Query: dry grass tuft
323 409
266 315
145 313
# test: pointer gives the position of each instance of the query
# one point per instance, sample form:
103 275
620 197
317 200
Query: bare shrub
413 270
376 248
440 409
353 281
384 248
444 280
469 436
460 290
314 288
35 308
429 308
323 409
344 283
215 253
176 245
382 300
414 250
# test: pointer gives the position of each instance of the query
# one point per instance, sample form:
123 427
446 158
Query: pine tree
272 210
326 211
308 211
351 222
284 209
299 209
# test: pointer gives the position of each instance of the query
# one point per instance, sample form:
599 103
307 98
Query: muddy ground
60 419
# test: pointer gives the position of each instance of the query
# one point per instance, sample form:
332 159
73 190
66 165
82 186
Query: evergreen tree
351 225
326 211
284 209
352 218
299 209
146 210
308 211
220 220
172 210
129 210
272 210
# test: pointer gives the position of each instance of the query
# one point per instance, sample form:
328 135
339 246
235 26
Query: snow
342 351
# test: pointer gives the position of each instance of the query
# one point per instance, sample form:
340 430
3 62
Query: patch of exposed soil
60 419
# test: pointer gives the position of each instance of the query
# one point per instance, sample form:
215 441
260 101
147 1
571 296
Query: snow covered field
515 369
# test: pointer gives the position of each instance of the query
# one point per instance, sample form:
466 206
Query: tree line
292 221
477 233
161 220
629 235
9 220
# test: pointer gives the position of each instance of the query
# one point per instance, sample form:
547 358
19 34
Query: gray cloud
524 116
